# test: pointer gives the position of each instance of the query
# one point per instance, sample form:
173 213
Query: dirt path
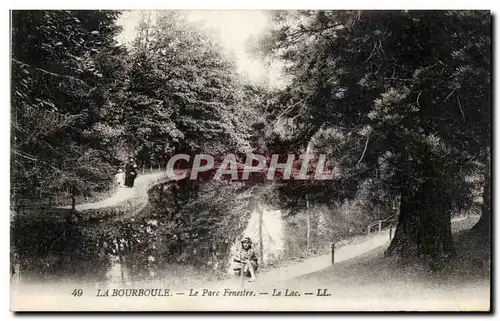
360 280
141 186
313 264
345 253
350 253
351 261
317 263
371 281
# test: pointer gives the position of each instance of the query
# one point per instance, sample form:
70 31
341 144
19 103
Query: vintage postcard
334 160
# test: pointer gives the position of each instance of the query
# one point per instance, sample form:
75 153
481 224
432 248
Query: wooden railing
379 225
144 169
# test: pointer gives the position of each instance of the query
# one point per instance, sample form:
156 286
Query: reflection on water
123 253
185 232
118 273
151 246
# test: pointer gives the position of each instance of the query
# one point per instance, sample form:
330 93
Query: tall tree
55 101
183 91
410 90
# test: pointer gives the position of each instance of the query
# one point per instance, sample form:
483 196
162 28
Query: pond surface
146 247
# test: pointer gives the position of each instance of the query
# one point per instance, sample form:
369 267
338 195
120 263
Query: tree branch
51 73
418 98
460 107
450 93
364 151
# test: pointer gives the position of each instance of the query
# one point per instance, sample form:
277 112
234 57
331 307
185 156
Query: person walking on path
120 178
130 173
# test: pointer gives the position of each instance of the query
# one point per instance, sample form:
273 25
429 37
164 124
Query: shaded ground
371 281
363 280
346 250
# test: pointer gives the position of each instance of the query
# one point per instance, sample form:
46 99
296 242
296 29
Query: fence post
142 169
379 227
390 232
368 230
151 167
333 253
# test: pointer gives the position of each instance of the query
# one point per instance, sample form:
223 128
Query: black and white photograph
250 160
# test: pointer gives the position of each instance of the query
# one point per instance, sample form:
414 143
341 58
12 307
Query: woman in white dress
120 178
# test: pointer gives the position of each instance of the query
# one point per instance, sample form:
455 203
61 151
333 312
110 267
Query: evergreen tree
183 93
54 101
409 91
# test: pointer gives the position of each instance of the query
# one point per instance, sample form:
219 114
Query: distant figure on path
130 173
120 178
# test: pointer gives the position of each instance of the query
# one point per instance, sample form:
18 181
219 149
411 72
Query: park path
359 283
317 263
142 184
266 277
360 246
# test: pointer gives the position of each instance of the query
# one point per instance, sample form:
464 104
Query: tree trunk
71 214
308 226
308 214
261 239
436 224
161 192
406 236
424 226
483 225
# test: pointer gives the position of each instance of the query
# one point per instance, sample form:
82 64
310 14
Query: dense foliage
84 104
56 101
400 101
399 97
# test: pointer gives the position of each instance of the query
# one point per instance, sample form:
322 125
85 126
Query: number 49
77 292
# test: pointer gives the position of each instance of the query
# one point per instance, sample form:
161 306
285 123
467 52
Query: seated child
248 259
